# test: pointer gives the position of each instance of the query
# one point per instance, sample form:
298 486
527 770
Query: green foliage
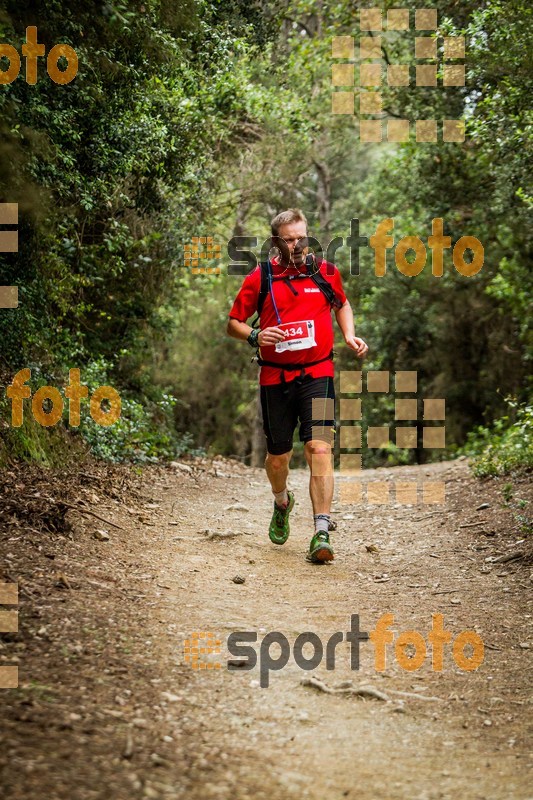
145 430
504 447
467 338
206 118
112 172
50 447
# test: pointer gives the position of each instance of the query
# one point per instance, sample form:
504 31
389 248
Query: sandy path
109 709
302 742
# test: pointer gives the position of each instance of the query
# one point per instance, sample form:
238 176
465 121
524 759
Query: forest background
205 119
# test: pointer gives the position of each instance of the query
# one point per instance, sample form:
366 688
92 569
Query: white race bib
298 336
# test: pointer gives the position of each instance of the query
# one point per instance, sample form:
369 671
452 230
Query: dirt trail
143 723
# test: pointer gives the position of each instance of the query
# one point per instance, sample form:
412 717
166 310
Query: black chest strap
292 366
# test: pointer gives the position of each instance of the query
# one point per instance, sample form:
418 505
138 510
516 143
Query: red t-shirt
308 304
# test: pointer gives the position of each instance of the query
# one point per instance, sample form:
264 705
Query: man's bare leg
318 456
277 469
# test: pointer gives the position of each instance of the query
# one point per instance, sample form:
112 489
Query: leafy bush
504 447
145 431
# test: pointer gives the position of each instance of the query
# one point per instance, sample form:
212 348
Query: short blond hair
285 218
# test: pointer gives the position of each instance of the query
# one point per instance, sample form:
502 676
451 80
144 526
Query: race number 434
298 335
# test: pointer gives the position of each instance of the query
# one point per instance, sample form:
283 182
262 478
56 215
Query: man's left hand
357 344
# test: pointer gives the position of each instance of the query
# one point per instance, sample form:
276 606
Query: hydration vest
267 278
311 272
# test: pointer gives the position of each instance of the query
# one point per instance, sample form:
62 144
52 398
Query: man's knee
316 447
318 456
278 462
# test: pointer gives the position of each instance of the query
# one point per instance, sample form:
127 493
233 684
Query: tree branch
302 25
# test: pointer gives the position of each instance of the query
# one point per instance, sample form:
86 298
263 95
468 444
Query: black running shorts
286 404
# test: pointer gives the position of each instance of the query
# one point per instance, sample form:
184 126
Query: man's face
294 234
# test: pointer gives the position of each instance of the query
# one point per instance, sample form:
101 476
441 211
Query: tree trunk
258 436
239 229
323 195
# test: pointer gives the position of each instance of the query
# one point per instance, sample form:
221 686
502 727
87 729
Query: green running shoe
279 524
320 549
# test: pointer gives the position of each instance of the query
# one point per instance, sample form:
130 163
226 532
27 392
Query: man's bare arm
238 330
241 330
344 316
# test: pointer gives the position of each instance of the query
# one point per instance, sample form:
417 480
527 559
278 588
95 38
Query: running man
294 294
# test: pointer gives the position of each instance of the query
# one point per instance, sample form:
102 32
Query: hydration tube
271 290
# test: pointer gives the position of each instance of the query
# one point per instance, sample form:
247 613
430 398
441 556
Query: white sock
321 523
282 498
